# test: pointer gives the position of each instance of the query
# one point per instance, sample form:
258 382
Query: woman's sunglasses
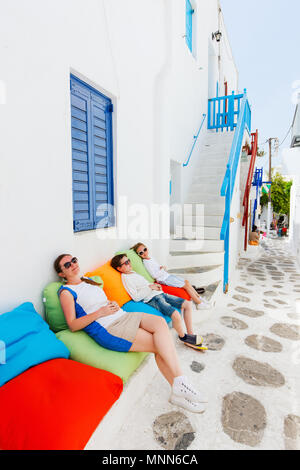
68 264
143 251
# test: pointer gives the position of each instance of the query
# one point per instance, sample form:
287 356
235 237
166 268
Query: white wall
134 52
120 56
291 168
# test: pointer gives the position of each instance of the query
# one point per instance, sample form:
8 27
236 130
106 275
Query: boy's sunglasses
68 264
127 262
143 251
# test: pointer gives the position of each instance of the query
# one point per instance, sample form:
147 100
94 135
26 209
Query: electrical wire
286 136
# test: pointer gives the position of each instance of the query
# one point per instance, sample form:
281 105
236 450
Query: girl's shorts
173 281
127 326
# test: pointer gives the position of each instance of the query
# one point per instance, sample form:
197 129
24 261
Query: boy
140 290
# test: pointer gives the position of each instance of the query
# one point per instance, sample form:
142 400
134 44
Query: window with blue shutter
189 25
92 158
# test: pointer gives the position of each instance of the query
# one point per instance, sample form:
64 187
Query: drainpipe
219 45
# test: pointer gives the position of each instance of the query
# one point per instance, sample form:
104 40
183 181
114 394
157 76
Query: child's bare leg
177 323
191 291
187 315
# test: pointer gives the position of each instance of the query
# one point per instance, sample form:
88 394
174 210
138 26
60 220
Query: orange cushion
113 285
56 405
177 291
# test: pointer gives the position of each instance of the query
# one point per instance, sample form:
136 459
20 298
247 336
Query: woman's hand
109 309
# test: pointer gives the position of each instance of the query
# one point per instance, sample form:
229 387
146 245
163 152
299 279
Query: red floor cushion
56 405
177 291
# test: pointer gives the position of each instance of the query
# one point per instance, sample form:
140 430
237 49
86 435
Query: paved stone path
251 373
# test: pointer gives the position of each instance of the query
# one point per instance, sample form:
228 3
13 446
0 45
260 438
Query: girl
160 274
86 307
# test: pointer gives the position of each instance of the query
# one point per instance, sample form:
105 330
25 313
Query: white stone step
216 151
200 276
204 221
185 260
211 188
207 199
206 170
206 208
197 232
210 179
219 136
211 246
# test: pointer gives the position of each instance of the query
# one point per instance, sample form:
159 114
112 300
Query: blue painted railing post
244 123
231 111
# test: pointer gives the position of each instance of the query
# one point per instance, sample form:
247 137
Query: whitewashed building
100 102
291 167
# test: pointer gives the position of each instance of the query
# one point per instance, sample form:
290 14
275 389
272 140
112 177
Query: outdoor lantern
217 36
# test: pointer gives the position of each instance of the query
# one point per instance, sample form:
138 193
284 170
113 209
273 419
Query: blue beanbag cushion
26 341
142 307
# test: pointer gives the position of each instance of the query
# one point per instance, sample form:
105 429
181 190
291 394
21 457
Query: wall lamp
217 36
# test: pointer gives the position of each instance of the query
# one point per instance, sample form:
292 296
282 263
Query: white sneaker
205 305
187 404
185 389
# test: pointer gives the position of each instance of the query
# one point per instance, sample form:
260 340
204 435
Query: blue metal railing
195 141
223 112
243 123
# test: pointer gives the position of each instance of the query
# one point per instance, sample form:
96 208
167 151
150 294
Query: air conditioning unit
296 141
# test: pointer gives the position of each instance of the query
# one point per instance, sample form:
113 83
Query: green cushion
53 311
84 349
137 264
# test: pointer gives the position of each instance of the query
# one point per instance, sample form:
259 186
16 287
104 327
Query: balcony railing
224 111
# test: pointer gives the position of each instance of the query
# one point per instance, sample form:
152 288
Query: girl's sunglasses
68 264
143 251
127 262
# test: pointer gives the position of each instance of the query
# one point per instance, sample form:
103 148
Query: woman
86 307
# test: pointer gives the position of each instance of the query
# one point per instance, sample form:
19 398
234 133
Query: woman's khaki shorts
127 326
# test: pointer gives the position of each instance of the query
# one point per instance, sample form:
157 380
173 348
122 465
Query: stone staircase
196 251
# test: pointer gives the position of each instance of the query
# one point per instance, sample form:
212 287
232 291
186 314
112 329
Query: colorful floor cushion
142 307
137 264
56 405
82 347
177 291
28 341
53 312
113 286
85 350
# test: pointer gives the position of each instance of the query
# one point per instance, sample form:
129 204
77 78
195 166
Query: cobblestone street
251 373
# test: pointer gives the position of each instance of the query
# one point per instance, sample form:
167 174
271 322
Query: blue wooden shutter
92 158
189 25
81 159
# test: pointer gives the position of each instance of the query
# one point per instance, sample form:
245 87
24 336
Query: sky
265 41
